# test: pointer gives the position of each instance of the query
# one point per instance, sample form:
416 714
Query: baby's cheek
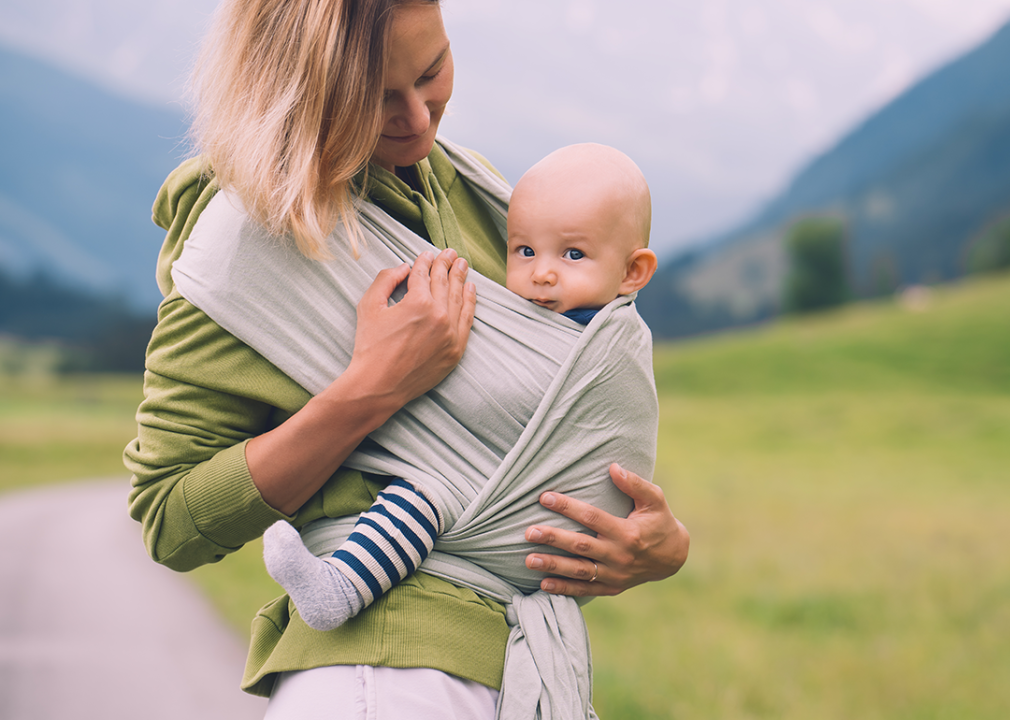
512 283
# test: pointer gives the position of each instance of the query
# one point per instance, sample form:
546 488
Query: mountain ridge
83 168
915 183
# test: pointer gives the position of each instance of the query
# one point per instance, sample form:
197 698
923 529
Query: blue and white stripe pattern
389 541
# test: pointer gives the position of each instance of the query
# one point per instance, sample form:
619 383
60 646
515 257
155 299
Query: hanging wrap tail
537 403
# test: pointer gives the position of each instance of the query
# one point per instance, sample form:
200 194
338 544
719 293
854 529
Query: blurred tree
93 333
818 274
991 249
884 275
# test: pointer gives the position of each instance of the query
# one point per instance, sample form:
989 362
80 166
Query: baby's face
564 251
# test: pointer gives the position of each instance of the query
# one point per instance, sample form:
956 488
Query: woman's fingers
442 277
650 544
595 571
574 575
578 577
467 309
379 292
644 493
439 280
419 281
583 513
451 294
409 347
462 296
576 543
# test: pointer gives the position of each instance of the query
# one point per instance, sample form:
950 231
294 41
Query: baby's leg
387 544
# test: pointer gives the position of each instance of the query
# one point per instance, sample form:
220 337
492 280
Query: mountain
81 169
915 183
96 333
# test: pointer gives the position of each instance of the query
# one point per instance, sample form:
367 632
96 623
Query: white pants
362 692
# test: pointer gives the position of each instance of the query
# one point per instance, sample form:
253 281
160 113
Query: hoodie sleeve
205 395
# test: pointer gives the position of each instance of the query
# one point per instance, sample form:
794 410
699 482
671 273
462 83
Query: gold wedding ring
596 571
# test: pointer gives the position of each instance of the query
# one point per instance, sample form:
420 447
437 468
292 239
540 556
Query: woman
302 104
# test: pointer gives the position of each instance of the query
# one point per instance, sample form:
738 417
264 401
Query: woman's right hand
406 349
400 352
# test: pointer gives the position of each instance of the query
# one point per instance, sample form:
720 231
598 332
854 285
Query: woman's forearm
291 463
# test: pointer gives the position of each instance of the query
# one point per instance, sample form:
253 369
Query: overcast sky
719 101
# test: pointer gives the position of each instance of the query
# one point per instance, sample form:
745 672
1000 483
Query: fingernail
548 586
548 499
534 535
536 563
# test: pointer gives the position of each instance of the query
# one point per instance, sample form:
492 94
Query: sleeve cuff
225 504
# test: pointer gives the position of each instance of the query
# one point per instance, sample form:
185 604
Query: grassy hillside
56 428
844 478
953 338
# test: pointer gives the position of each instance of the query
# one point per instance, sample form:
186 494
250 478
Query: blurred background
831 191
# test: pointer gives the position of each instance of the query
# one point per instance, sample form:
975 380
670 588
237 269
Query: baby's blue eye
526 251
573 254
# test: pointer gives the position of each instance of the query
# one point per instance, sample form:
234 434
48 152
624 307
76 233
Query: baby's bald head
600 175
578 229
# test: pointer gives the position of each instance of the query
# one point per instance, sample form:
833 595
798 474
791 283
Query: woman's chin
392 152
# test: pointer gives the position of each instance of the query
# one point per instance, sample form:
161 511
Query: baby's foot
325 598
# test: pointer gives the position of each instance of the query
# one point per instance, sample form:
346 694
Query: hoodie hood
182 198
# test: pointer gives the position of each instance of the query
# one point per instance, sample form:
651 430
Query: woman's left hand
651 544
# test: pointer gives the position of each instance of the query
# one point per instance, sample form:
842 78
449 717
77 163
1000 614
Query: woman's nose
414 116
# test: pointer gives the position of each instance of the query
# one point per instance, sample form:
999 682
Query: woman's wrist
360 399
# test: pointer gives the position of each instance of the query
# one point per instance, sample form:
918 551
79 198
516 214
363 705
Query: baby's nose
543 274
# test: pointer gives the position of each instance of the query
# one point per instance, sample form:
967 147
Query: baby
578 230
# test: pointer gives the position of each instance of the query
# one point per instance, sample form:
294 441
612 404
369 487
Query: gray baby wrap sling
537 403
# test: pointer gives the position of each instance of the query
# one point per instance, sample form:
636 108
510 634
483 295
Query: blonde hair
288 97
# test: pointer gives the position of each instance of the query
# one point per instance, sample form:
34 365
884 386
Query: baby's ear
641 265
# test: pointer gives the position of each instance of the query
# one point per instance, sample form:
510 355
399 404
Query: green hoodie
206 394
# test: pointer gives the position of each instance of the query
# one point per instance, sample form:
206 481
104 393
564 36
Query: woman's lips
403 140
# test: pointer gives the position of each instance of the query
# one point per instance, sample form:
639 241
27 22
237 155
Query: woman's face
418 85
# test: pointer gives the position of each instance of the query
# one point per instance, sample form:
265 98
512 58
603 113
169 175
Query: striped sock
389 541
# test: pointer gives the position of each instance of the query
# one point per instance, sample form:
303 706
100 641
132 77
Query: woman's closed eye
434 70
425 79
574 254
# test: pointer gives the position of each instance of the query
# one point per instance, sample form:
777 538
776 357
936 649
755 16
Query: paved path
90 627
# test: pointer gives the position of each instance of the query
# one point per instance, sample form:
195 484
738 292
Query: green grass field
56 428
846 481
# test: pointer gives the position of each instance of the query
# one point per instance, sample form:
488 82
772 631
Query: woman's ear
641 266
